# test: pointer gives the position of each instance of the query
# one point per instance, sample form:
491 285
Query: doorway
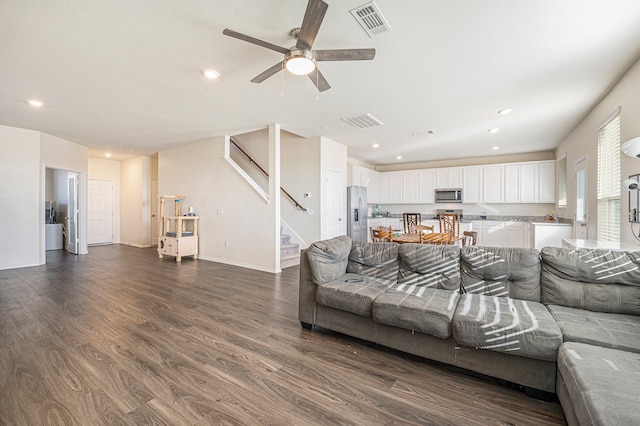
581 213
154 212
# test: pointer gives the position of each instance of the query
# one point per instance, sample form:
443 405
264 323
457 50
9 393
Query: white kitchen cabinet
391 188
529 183
513 235
494 233
427 187
549 234
492 183
512 183
370 179
472 184
410 187
450 177
547 181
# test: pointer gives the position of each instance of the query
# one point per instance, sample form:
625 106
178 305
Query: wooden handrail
264 172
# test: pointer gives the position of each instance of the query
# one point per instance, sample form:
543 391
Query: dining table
430 238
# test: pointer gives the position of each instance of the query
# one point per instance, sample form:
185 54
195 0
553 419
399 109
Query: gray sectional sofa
538 319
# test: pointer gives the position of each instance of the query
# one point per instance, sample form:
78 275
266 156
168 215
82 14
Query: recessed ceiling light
494 130
375 145
505 111
495 148
107 154
35 103
210 73
399 157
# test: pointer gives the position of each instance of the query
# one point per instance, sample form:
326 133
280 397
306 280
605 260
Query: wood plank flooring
119 336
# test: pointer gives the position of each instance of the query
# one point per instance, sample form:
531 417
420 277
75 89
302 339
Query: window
562 182
608 225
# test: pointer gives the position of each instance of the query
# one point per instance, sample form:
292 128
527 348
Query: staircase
289 253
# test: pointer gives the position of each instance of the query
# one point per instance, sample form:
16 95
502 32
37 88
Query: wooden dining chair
410 220
450 224
422 229
381 235
469 238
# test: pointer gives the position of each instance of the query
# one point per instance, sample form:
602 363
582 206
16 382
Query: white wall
102 169
300 167
135 201
20 213
25 156
229 209
583 141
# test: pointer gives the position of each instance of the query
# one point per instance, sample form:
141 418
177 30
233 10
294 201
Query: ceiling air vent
370 19
362 121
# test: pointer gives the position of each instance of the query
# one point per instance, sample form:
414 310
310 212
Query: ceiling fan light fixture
300 62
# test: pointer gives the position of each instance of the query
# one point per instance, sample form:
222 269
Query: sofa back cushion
376 260
501 271
429 266
328 259
595 280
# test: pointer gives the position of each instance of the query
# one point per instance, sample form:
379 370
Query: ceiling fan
301 59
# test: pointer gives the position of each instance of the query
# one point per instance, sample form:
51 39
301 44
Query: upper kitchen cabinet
530 182
547 181
450 177
427 178
472 184
493 183
361 176
411 187
391 188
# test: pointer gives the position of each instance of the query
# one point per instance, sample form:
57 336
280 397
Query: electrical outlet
310 212
226 243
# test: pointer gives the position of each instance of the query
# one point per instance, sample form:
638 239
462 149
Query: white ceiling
124 76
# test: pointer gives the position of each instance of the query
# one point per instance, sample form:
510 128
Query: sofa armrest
307 292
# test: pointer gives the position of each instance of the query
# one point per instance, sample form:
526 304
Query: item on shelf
377 210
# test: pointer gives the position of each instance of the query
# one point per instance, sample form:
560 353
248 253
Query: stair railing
264 172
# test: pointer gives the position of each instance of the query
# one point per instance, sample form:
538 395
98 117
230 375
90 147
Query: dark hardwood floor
121 337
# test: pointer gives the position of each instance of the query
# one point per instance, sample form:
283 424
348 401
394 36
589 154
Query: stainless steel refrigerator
357 227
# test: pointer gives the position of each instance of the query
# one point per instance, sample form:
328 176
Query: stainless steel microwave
449 195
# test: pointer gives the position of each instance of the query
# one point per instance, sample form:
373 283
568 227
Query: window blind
608 223
562 182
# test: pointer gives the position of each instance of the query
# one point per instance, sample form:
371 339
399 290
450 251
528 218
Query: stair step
289 260
289 249
285 239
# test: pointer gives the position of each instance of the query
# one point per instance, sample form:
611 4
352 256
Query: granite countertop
534 220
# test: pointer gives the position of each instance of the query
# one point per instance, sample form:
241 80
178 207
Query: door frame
82 208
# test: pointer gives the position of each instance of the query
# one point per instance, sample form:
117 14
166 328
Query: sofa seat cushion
603 384
502 324
376 260
328 259
430 266
355 297
616 331
501 271
424 309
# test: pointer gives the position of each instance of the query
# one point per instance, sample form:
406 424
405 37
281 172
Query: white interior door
581 213
72 213
154 212
335 207
100 212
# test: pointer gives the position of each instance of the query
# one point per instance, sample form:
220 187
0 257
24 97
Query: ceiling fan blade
311 23
267 73
345 54
254 40
318 79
